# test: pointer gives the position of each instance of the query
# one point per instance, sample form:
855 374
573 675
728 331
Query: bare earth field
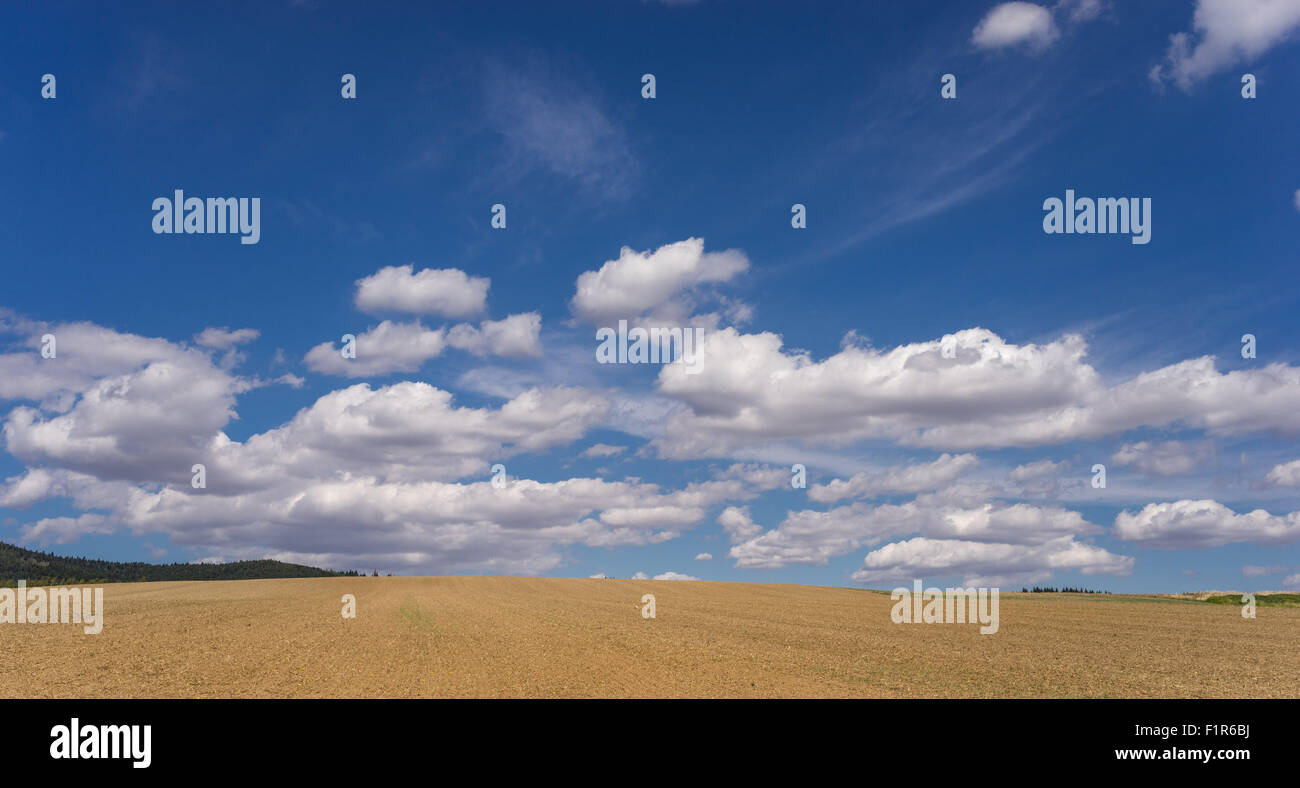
544 638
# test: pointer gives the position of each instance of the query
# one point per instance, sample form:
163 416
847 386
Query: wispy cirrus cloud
550 122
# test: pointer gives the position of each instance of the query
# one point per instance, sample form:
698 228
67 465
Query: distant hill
1262 599
47 569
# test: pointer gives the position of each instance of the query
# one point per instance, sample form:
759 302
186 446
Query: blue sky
824 346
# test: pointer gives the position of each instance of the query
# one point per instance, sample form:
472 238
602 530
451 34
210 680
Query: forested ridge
45 569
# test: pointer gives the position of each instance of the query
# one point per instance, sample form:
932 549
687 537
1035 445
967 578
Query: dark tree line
39 569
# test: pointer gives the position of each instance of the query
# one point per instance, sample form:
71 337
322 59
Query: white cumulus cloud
224 338
517 336
638 283
446 292
1013 24
1191 524
1169 458
899 480
988 563
991 393
387 348
1225 33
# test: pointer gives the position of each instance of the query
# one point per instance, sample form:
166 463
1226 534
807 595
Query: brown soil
539 637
